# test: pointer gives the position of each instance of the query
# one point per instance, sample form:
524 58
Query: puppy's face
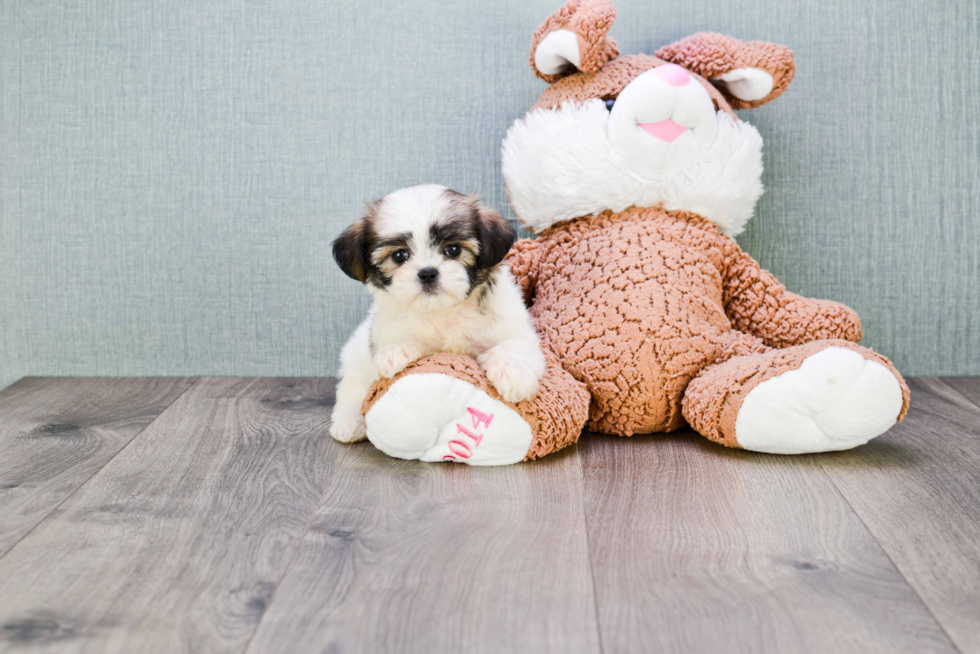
426 246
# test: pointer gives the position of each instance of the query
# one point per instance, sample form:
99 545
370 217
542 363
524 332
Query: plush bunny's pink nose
673 74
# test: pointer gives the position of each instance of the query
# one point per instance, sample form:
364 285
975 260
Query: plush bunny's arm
523 262
758 304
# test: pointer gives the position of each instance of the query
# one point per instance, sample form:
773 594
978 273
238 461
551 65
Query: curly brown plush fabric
523 262
712 55
757 303
556 414
590 21
636 304
624 302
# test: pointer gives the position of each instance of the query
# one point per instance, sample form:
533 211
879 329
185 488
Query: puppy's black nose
428 276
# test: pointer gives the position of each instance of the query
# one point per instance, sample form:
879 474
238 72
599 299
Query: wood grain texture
197 528
917 488
407 557
696 548
968 387
55 433
178 543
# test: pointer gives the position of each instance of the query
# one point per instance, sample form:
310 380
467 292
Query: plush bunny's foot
835 400
443 408
435 417
819 397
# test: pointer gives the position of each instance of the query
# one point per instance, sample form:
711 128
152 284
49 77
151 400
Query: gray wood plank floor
918 491
56 433
707 549
216 515
409 557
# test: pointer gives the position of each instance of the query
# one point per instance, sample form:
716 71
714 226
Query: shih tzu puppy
432 259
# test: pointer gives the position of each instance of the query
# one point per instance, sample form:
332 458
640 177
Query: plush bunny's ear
748 73
574 38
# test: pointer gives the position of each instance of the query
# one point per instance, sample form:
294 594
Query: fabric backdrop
172 172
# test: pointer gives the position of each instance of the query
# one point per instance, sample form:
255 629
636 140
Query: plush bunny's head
639 130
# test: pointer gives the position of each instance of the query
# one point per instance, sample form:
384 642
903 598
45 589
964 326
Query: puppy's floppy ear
495 235
352 249
348 251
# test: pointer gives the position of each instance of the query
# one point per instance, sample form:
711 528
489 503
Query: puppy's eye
452 251
400 256
609 104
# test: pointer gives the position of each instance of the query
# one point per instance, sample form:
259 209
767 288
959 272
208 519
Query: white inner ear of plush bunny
747 84
557 53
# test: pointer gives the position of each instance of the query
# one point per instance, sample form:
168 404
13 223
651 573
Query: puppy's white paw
392 359
514 378
348 428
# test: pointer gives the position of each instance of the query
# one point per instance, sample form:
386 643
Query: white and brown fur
472 307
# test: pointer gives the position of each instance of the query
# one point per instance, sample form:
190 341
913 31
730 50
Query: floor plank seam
888 556
588 548
966 399
299 545
100 469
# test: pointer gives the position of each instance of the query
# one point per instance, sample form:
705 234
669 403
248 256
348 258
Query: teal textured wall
172 172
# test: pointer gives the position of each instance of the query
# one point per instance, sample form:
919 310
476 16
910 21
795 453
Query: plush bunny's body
672 324
635 174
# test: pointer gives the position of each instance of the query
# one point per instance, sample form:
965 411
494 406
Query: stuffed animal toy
635 174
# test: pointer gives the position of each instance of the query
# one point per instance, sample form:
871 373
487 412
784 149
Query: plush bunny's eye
610 103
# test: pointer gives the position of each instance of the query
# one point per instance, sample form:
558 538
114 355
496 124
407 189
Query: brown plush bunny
635 174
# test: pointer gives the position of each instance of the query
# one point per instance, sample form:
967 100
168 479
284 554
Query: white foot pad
835 400
435 417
